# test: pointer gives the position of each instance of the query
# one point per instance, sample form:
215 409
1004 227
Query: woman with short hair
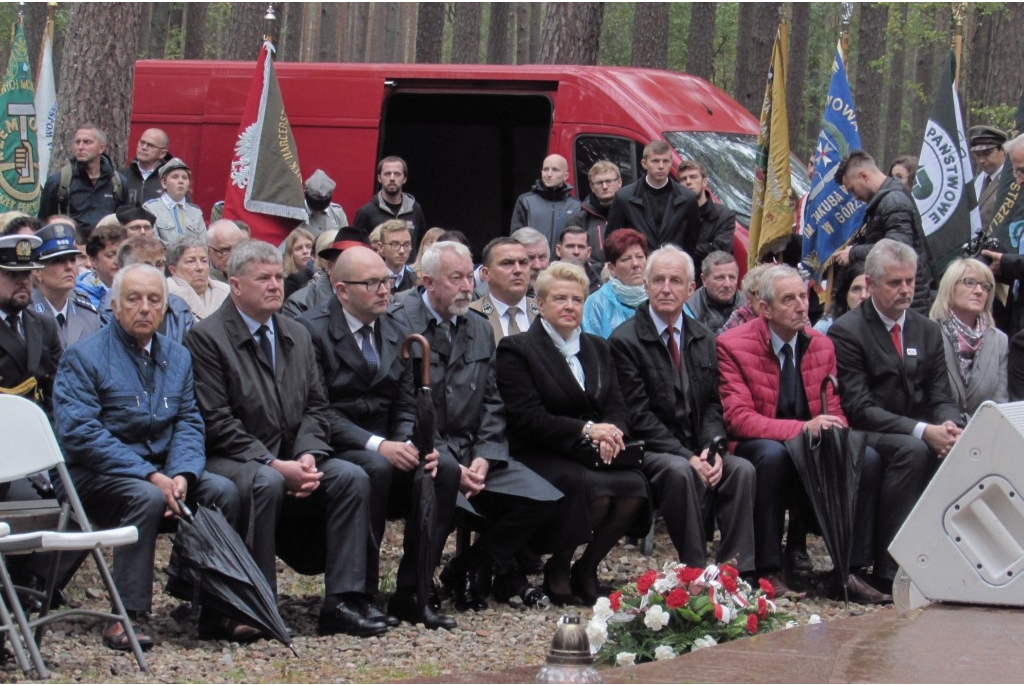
188 266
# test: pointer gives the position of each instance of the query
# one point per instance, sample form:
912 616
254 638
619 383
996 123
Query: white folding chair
13 630
30 446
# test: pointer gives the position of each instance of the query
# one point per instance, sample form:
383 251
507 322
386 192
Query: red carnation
644 583
688 574
614 599
677 598
767 588
762 608
727 570
752 624
729 583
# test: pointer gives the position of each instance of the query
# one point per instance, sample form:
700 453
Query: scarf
568 349
630 295
966 343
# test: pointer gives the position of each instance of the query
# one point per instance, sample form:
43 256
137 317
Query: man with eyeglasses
136 220
891 213
393 243
143 172
371 414
605 180
221 238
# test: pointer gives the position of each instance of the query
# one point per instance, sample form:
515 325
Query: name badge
911 351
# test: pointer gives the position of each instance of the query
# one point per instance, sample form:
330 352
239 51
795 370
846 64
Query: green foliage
678 34
1001 116
616 34
726 25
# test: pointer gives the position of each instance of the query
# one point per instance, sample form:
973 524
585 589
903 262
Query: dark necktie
61 319
14 321
984 184
513 324
265 344
369 355
443 340
897 341
787 386
673 347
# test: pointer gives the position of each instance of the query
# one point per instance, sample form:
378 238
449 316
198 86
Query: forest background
894 50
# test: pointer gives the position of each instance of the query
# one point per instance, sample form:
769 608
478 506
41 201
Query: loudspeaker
964 540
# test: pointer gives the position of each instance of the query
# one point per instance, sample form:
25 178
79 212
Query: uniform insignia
533 308
23 250
487 307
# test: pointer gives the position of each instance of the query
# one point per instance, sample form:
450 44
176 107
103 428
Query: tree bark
158 30
327 49
99 69
246 35
759 22
33 23
535 31
928 57
995 48
195 31
870 79
310 32
572 33
522 32
897 85
408 19
289 38
392 30
700 53
466 38
499 33
796 71
430 32
145 30
650 35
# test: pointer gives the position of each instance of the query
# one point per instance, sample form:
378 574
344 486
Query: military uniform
486 307
79 318
189 220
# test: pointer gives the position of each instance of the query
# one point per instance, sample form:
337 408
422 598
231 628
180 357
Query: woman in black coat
563 409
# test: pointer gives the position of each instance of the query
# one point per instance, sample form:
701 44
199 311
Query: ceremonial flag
265 186
19 156
1008 221
944 190
831 214
771 220
46 102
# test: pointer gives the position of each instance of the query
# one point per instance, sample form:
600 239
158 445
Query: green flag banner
19 154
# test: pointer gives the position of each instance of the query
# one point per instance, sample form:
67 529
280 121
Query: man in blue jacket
127 420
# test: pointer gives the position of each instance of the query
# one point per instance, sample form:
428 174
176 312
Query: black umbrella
829 466
424 509
210 565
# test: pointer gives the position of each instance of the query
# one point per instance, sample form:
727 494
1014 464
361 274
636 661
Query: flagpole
844 29
958 39
268 22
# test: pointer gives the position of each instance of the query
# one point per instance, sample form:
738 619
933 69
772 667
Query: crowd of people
579 377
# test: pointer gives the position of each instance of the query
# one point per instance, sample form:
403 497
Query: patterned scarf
630 295
966 343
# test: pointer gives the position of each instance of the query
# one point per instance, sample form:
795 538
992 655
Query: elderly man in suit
369 389
266 428
893 382
506 271
678 420
514 500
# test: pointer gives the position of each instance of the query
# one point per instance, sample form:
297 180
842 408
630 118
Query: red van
473 136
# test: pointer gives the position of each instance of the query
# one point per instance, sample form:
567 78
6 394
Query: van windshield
729 160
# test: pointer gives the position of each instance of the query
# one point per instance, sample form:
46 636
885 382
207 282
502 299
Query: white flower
664 585
597 633
603 609
656 618
702 642
625 659
813 619
663 652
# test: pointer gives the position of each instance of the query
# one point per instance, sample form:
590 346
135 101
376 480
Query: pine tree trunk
869 81
796 72
159 27
499 34
360 31
99 69
392 28
759 24
246 35
289 41
408 32
572 33
145 29
195 31
700 53
996 49
650 35
429 32
310 31
928 59
897 85
327 50
522 33
466 39
536 9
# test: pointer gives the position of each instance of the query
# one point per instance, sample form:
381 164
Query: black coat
680 224
881 392
34 357
717 226
658 408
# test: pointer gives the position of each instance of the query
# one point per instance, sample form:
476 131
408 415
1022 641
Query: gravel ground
501 637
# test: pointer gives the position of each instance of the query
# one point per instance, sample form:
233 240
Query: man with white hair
537 249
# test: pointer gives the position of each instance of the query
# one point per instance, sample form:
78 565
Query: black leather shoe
369 609
403 607
462 585
861 592
346 618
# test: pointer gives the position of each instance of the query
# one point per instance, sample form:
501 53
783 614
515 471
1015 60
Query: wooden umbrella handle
407 343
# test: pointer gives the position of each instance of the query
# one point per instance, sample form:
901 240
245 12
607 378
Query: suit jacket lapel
557 366
16 347
390 344
346 343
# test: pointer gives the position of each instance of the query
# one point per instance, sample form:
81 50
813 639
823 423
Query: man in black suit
893 383
259 392
513 500
678 420
369 389
656 205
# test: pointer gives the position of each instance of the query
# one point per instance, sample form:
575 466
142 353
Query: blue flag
831 215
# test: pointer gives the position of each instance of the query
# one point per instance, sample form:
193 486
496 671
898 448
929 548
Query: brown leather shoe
778 581
860 592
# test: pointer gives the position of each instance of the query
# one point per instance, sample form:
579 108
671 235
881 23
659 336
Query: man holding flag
19 153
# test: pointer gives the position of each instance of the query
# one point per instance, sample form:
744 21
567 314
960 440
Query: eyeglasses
373 285
605 182
146 145
973 283
395 245
901 176
222 250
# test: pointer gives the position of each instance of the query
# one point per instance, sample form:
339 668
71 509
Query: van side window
622 152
